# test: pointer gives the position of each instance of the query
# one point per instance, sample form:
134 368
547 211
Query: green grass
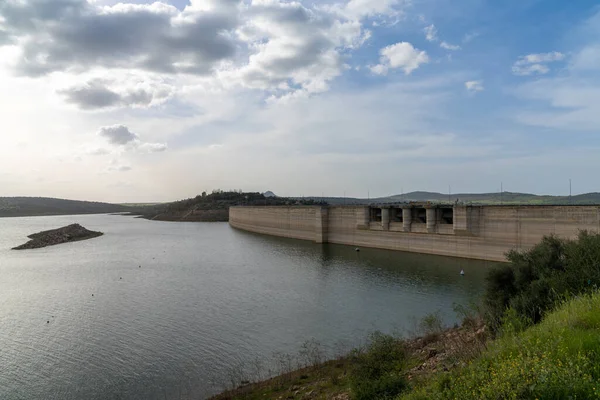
556 359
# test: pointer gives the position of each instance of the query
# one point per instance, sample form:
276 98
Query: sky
142 102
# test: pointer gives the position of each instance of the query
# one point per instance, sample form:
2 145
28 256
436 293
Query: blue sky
153 102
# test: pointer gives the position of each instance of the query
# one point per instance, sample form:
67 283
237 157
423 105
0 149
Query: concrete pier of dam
479 232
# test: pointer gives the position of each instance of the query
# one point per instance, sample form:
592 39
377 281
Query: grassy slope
557 359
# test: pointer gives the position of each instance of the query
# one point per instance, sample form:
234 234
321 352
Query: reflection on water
205 297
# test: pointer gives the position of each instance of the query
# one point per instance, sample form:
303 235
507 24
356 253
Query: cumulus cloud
536 63
102 94
474 86
117 134
72 35
293 48
279 46
400 55
120 135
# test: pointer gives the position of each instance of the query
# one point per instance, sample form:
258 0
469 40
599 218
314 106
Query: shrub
377 371
384 387
470 315
430 327
536 280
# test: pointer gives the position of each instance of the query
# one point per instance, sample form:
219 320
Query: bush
537 279
384 387
377 371
430 327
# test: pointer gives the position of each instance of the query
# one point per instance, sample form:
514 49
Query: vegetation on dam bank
541 340
210 207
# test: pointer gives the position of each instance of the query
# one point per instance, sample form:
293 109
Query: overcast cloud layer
159 101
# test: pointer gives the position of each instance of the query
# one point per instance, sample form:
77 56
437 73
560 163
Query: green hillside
557 359
36 206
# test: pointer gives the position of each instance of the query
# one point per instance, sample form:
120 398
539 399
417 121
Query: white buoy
462 271
357 249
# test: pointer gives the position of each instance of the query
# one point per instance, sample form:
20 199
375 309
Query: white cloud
474 86
359 9
431 33
295 50
379 69
541 58
152 147
570 101
448 46
400 55
536 63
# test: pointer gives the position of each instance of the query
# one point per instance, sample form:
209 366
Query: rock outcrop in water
70 233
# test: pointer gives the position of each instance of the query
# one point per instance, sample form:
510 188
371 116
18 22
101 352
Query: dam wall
480 232
295 222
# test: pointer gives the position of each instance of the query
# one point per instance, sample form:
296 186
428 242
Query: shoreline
434 351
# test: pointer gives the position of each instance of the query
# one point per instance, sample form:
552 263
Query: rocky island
69 233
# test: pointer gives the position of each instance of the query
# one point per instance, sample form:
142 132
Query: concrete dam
479 232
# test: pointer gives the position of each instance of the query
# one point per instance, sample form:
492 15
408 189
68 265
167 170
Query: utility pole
449 191
501 192
570 200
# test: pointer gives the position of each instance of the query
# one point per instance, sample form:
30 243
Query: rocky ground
428 354
70 233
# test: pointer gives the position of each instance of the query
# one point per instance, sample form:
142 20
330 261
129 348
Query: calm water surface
207 297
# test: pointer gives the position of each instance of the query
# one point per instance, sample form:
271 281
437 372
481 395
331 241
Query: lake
166 310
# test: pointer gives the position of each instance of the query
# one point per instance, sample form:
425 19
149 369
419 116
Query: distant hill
35 206
472 198
268 193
